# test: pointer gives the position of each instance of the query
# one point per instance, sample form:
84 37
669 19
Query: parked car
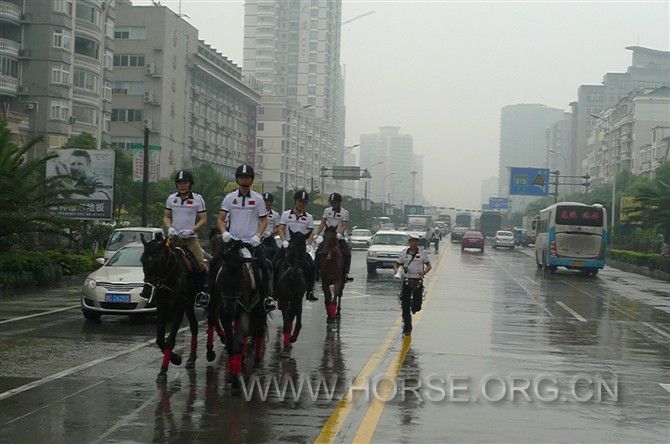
360 238
124 236
115 287
473 239
385 248
457 233
503 239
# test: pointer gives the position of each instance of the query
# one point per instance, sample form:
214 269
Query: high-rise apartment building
56 67
293 49
195 102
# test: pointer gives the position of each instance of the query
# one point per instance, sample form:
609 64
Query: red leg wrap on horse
167 355
235 364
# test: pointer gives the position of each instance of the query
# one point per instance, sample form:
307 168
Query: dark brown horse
166 270
291 287
239 309
331 269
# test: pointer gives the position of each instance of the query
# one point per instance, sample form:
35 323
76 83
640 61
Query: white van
123 236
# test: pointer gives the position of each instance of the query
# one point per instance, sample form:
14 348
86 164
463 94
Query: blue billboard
529 181
498 203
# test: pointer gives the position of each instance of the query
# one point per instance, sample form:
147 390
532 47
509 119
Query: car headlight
90 283
372 253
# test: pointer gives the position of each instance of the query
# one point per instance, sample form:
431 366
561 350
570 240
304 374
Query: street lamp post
413 173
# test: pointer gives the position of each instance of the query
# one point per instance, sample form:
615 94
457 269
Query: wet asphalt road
491 315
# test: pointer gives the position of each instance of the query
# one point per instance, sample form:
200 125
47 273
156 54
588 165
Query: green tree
653 210
27 197
86 141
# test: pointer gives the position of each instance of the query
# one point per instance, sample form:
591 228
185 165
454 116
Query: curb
637 269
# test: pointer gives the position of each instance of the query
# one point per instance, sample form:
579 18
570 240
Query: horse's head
297 246
155 258
330 236
215 240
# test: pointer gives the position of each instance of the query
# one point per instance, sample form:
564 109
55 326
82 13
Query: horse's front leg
259 323
160 342
339 289
298 319
287 316
328 300
193 325
169 356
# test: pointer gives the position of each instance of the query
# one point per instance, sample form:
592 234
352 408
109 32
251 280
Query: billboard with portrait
92 172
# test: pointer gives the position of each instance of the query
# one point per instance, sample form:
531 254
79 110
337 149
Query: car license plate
578 264
114 297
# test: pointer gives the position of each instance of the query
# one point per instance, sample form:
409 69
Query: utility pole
145 176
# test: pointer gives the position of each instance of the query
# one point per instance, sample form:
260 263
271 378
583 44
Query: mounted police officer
272 228
246 221
298 220
184 215
415 264
338 217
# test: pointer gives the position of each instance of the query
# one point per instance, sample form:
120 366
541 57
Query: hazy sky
442 70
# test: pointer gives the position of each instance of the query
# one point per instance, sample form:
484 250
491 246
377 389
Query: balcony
82 95
91 30
87 62
8 85
10 12
9 47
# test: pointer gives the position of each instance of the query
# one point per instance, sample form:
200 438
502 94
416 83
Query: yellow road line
376 408
337 419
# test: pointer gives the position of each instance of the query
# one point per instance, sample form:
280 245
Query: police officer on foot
298 220
335 216
247 221
415 265
183 216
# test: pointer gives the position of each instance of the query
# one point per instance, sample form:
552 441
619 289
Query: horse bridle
160 284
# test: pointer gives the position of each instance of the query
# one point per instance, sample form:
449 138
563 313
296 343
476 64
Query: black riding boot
346 254
308 267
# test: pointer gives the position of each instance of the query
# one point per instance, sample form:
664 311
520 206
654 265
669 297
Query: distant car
385 248
503 239
521 237
115 287
473 239
360 238
457 233
124 236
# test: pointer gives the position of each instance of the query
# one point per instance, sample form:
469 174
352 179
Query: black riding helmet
183 175
335 197
301 195
268 196
244 170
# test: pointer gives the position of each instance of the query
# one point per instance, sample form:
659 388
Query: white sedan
360 238
503 239
115 287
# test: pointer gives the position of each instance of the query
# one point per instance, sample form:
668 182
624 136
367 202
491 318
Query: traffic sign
497 203
529 181
346 172
413 209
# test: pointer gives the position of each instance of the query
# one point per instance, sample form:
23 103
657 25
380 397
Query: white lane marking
57 401
665 386
84 366
571 311
657 330
20 318
357 297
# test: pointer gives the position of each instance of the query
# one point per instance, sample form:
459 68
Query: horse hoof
235 387
211 355
161 378
175 359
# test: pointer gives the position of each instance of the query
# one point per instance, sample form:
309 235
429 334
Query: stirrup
202 299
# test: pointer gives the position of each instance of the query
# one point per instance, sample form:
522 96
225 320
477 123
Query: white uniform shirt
185 211
244 214
333 218
273 222
295 223
415 266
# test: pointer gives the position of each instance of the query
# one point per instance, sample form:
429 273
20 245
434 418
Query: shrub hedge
651 260
23 268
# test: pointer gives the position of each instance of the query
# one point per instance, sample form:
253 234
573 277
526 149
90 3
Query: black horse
239 308
291 287
169 271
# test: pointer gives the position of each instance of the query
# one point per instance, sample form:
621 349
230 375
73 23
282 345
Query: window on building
85 114
261 126
109 59
128 60
59 109
60 74
128 88
311 100
312 57
259 143
125 142
9 67
311 90
85 80
131 32
63 6
62 38
86 47
126 115
312 67
313 35
314 12
87 13
107 91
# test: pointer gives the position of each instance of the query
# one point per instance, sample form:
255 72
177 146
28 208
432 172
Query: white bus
572 235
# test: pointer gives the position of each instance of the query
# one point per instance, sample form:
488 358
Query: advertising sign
154 163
